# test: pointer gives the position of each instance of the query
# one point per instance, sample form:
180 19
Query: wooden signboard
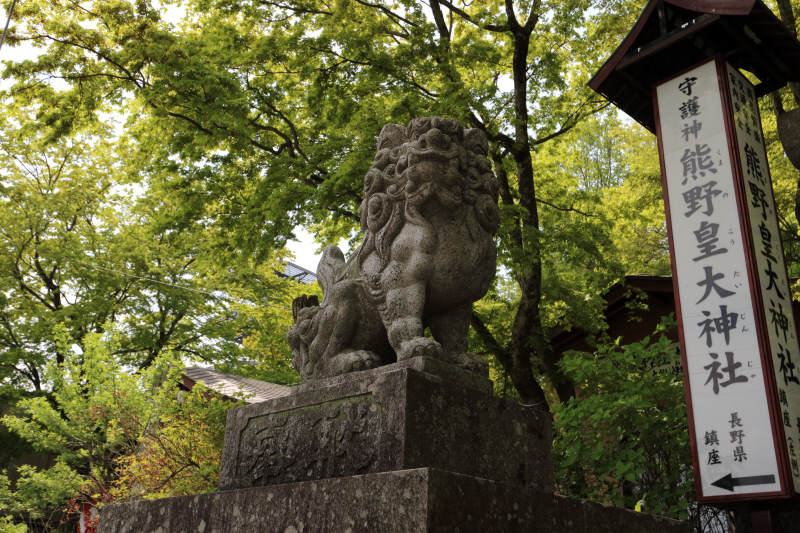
732 291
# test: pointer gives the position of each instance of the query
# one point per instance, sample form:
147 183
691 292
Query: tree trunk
528 338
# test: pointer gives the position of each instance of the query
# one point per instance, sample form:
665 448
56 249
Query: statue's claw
353 362
471 362
420 347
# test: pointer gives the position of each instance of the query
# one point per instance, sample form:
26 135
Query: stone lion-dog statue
429 217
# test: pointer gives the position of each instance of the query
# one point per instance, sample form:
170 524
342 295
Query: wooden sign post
731 287
679 73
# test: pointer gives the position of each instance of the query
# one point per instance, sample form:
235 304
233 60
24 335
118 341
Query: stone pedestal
408 501
399 417
418 446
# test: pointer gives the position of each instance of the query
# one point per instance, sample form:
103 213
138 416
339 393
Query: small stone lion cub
429 217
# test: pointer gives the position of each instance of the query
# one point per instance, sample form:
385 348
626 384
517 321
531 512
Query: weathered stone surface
422 500
383 422
429 217
427 365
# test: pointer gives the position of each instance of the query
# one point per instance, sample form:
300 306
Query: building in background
627 320
227 385
297 272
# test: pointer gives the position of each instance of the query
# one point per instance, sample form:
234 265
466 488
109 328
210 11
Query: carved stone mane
429 216
432 157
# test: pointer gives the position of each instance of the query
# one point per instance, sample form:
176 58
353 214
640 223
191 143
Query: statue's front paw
471 362
345 363
419 347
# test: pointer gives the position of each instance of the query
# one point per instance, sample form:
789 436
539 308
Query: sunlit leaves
114 434
610 439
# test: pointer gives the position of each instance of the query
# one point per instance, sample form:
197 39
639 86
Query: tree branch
491 343
513 23
498 137
389 13
533 18
444 31
565 209
464 15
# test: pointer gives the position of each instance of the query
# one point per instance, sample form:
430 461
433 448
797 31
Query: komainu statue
429 217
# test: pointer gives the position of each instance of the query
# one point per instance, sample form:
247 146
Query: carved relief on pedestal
334 439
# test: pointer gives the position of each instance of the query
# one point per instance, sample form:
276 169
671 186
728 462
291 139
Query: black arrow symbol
728 482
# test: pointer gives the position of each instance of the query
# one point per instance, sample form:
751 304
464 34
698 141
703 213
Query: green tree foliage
253 118
79 249
257 117
55 205
8 526
625 437
113 433
249 118
626 434
179 453
41 498
605 175
635 205
95 417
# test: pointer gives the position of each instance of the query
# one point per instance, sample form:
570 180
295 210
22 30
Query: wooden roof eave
692 27
718 7
611 63
718 23
710 7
